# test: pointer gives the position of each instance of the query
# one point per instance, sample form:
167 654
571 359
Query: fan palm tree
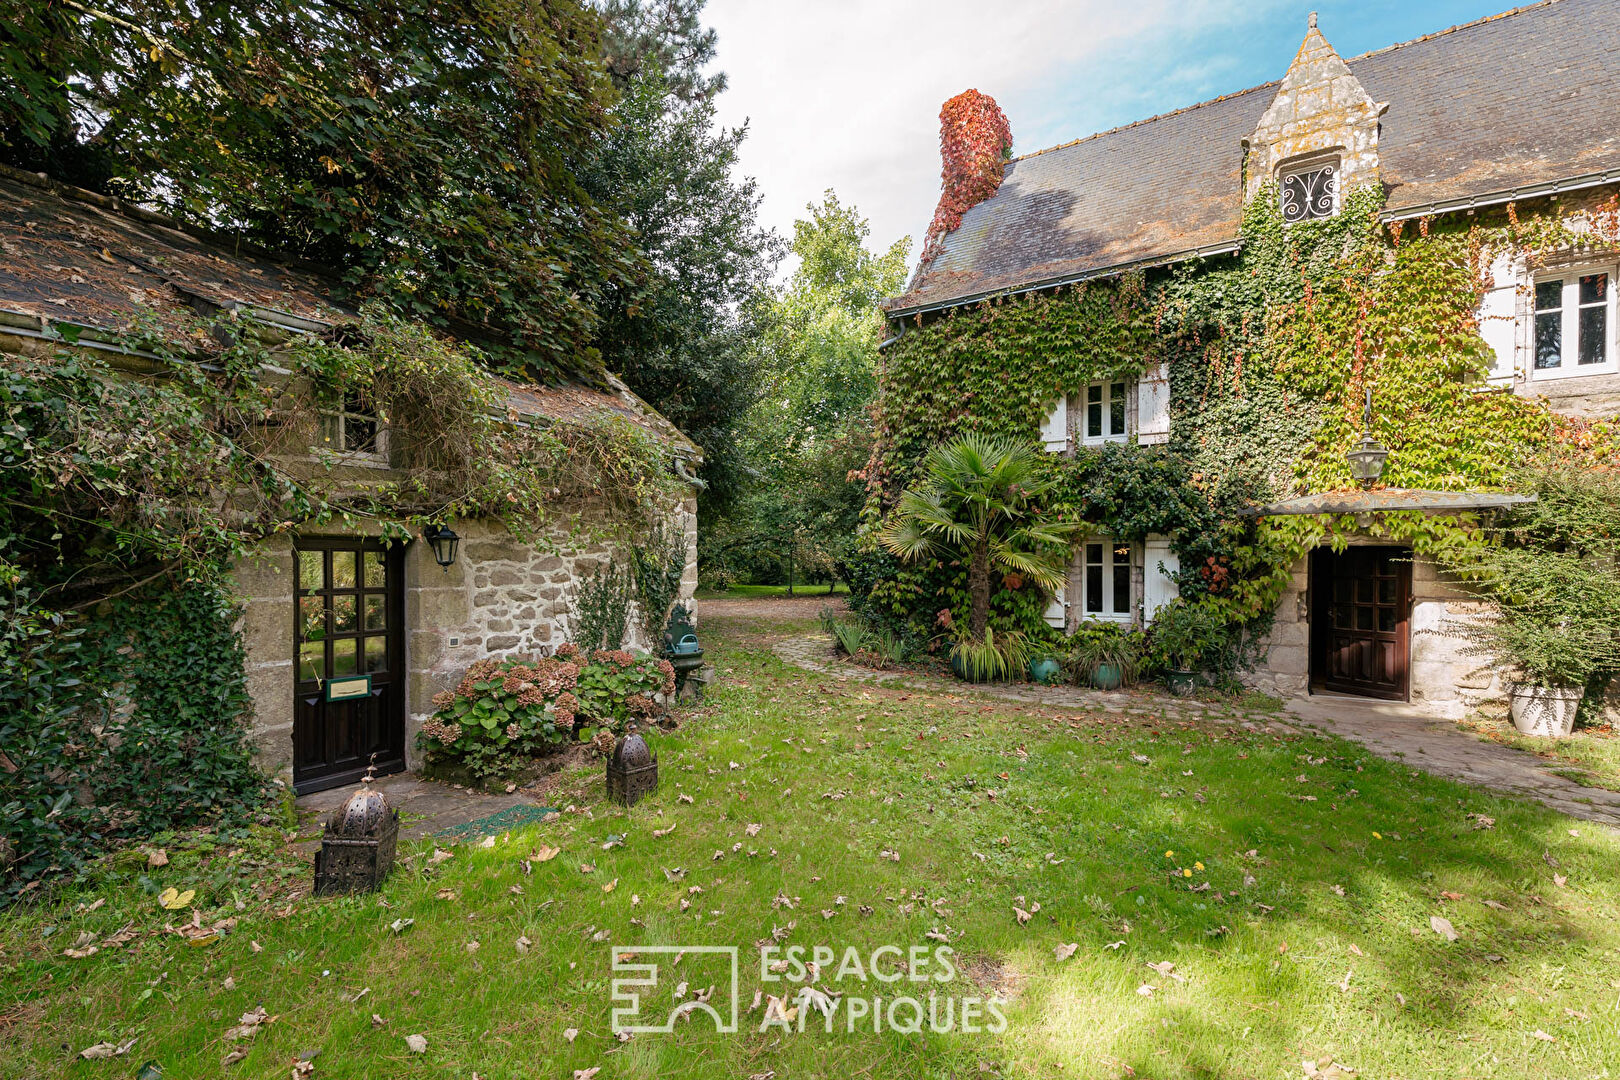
978 503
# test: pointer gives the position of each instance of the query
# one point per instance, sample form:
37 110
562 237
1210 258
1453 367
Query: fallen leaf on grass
1494 904
416 1043
610 886
1560 880
683 798
173 899
1146 990
664 832
106 1050
156 857
586 1074
1167 969
248 1024
233 1057
1023 916
546 854
446 894
1543 1036
570 1033
1443 927
1063 952
439 855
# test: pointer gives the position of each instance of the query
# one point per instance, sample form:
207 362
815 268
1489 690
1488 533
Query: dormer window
353 429
1309 190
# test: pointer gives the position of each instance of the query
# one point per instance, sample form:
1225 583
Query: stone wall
500 598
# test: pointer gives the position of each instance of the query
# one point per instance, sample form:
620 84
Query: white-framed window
1104 419
1309 189
1105 579
353 429
1572 328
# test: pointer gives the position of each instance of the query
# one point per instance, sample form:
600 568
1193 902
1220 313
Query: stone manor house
1518 108
78 269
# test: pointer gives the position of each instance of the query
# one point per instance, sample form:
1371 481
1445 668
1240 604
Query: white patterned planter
1546 710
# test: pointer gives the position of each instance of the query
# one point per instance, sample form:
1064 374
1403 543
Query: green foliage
1098 644
1553 586
304 127
118 725
996 656
1189 637
979 504
501 710
1269 352
617 687
658 563
850 635
601 608
810 432
640 37
681 334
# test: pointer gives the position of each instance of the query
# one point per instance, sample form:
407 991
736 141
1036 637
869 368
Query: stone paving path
1393 731
426 806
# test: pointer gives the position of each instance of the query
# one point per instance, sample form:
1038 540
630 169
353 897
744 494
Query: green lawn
744 592
1290 881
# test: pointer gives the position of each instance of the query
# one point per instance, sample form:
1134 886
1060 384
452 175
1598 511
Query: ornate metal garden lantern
632 771
1368 456
357 847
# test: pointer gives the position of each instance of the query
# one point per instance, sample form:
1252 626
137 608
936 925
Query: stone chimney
974 144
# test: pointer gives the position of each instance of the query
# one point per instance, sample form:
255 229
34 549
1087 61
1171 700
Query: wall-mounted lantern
444 541
1368 455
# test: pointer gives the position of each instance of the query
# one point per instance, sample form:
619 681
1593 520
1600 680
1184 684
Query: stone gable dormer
1321 115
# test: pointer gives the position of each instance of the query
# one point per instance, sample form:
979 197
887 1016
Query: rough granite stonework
1319 108
500 598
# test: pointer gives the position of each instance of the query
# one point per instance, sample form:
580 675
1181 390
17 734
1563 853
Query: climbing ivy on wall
1270 353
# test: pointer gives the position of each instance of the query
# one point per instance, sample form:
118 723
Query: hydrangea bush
504 710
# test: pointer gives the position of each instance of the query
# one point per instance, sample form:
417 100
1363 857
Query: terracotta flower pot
1548 711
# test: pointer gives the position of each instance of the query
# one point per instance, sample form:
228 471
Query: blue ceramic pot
1107 677
1045 671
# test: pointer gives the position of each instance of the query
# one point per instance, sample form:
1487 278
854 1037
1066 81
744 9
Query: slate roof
1511 101
73 257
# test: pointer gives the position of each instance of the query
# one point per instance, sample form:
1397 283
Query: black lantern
444 541
357 847
1367 456
632 771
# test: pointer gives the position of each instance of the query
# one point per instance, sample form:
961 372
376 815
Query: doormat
513 817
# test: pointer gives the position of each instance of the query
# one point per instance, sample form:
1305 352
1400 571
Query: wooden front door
349 621
1360 622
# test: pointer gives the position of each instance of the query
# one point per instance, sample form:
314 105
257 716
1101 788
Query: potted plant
992 658
1551 627
1045 665
1182 635
1552 593
1107 657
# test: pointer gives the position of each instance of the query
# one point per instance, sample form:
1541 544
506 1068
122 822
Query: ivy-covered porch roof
1383 499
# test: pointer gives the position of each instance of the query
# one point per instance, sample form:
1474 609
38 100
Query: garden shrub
618 686
503 711
118 726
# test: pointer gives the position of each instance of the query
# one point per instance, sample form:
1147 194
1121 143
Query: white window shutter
1158 589
1057 612
1153 405
1498 317
1055 428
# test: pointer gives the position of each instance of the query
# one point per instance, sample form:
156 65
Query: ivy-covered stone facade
1268 343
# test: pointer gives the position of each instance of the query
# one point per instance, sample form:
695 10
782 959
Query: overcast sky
846 93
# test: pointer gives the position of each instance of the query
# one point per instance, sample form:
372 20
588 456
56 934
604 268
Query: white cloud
846 94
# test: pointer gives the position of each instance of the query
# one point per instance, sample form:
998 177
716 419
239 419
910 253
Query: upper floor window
1309 190
1105 413
353 429
1574 323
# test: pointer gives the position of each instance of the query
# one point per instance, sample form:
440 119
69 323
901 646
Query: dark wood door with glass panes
1360 639
348 626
